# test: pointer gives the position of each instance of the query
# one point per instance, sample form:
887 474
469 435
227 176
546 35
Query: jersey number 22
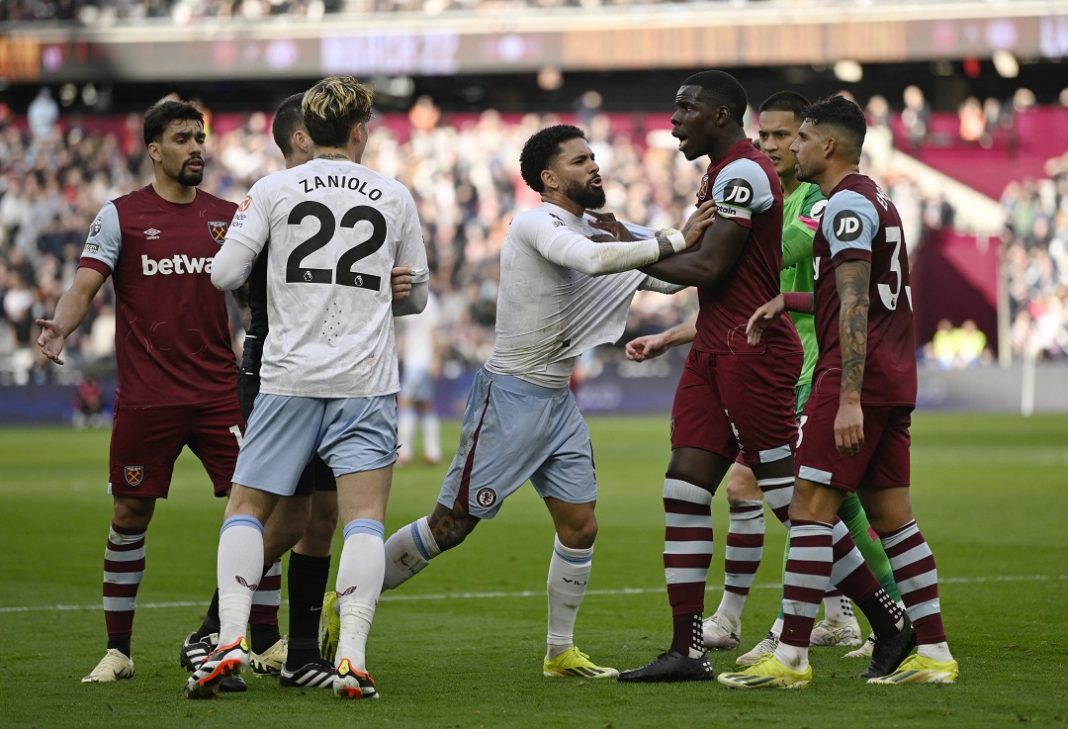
295 273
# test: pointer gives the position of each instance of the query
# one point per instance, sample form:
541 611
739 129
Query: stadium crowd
1035 257
463 171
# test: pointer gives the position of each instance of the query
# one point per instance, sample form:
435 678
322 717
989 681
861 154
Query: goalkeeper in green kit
781 115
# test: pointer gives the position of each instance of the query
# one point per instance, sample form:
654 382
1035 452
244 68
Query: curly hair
540 150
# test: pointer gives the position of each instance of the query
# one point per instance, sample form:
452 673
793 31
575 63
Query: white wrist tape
675 237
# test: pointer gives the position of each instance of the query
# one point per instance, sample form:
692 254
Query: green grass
991 493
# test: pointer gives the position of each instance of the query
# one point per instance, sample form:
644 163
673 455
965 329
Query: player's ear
154 151
359 134
549 179
301 140
830 146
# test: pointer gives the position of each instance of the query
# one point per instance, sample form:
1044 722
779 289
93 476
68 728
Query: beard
189 179
588 197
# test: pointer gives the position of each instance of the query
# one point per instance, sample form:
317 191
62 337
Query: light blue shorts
350 434
514 431
417 384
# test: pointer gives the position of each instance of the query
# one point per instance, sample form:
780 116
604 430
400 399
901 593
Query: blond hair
332 107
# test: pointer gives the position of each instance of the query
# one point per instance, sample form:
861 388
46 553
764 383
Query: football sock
124 567
307 577
263 617
853 577
569 573
917 577
837 608
867 541
808 572
406 434
240 566
211 619
431 437
687 555
360 571
408 551
745 548
778 493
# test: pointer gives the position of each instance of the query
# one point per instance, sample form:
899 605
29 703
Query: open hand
762 318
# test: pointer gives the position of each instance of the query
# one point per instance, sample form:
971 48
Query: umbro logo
152 234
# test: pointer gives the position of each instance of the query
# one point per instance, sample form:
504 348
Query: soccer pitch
461 645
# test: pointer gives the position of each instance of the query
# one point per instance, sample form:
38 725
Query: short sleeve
741 189
849 225
104 242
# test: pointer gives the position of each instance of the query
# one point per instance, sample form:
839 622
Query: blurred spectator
972 121
42 114
89 406
915 115
957 348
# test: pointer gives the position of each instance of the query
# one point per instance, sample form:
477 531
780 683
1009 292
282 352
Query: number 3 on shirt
295 273
890 297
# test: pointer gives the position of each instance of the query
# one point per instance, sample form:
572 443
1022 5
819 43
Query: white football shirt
336 229
548 313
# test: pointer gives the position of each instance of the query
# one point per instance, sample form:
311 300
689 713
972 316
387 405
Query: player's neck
560 200
724 143
834 175
789 184
173 191
339 154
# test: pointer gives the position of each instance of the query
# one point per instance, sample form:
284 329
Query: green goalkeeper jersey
801 212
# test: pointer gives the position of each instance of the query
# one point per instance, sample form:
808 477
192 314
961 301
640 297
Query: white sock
935 651
432 437
359 584
569 573
730 608
408 551
792 656
837 608
239 567
406 433
776 627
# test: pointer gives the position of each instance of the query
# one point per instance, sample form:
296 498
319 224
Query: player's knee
130 513
742 485
578 536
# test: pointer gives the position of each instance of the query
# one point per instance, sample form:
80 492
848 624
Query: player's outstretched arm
654 345
70 311
707 265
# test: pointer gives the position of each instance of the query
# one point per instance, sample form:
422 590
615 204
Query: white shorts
515 431
350 434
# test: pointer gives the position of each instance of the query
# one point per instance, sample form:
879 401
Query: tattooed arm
851 279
